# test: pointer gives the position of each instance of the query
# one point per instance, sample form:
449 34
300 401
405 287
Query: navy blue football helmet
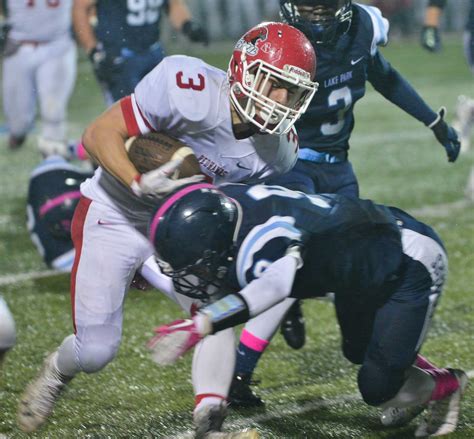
322 21
193 234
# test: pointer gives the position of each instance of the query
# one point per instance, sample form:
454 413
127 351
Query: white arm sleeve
153 275
272 287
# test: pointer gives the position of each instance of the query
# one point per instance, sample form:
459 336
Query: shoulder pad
380 27
190 86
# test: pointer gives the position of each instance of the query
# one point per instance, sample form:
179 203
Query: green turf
310 393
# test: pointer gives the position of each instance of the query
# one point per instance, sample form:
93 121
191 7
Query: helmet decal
250 41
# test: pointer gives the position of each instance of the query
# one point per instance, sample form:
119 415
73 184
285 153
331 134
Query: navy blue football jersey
342 72
53 194
349 245
131 24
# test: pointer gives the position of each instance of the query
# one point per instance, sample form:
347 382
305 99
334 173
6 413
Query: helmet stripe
170 201
51 204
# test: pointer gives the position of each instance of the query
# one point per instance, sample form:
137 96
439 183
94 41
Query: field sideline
310 393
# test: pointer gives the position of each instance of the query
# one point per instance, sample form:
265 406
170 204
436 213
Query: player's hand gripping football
159 182
172 341
446 135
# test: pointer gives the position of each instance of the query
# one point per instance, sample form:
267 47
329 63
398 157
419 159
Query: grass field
310 393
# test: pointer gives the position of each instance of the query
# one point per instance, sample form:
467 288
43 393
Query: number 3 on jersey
334 97
189 83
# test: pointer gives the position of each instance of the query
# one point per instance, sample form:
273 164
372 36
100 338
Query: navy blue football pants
313 178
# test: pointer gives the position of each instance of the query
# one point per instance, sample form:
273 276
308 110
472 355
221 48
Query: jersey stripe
425 250
129 116
77 232
276 226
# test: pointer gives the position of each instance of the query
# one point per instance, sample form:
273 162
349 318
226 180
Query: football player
39 67
430 37
53 194
267 243
346 37
124 45
7 330
239 124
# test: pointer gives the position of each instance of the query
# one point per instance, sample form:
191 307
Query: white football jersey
39 20
189 100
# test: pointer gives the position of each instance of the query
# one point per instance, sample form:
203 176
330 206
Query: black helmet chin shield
193 235
322 21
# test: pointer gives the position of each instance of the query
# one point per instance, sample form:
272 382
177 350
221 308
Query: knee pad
378 383
97 346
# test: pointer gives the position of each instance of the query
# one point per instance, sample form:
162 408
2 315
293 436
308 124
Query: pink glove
173 341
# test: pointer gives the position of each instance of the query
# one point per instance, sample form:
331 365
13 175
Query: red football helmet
272 55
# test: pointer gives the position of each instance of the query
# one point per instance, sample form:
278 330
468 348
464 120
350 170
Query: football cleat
209 418
38 401
173 341
397 417
293 328
15 143
442 416
241 394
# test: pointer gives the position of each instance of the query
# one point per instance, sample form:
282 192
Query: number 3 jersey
342 74
349 246
189 100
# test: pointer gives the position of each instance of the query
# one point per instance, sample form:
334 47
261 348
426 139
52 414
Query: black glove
430 38
446 135
195 32
103 64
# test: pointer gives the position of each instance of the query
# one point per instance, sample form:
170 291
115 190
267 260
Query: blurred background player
39 68
53 195
465 105
430 34
346 38
124 44
7 330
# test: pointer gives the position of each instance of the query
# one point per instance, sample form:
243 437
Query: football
150 151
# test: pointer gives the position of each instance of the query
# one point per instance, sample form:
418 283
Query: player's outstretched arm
172 341
446 135
82 26
394 87
181 19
